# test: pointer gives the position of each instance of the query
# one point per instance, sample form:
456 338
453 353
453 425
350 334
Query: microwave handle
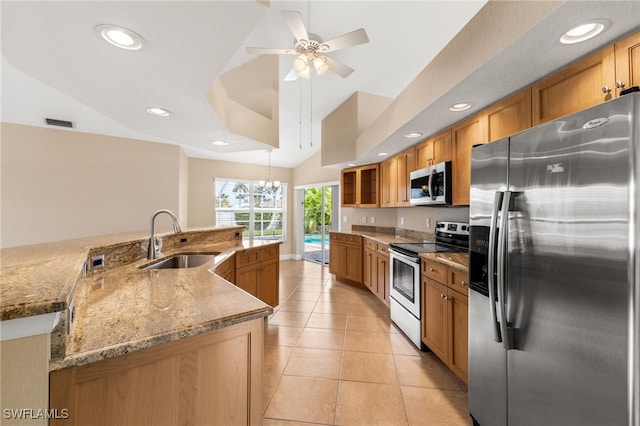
431 191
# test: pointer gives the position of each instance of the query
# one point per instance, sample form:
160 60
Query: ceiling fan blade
294 20
268 51
353 38
292 75
339 68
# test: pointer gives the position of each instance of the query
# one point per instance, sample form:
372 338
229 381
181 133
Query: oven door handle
403 256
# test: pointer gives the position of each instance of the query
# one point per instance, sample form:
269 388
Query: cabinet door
369 272
584 84
269 282
464 136
368 186
458 360
348 185
383 277
627 53
353 262
385 184
424 154
434 318
393 181
405 165
337 258
509 116
248 279
442 147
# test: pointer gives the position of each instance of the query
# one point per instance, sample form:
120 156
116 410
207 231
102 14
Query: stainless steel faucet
155 246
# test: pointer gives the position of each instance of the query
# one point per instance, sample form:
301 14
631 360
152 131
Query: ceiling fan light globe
300 63
320 63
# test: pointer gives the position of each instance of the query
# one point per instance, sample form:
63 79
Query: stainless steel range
405 303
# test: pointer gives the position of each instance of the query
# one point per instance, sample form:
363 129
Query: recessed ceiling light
461 106
351 164
413 135
382 154
220 143
583 32
157 111
120 37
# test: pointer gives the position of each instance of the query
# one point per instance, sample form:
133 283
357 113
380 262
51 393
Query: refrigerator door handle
491 265
502 255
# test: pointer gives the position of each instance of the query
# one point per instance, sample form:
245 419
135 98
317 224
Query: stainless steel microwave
431 185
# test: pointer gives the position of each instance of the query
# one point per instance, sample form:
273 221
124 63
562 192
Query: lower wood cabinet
376 269
214 378
345 256
445 315
258 272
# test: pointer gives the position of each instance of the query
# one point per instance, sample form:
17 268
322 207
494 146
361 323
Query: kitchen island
133 345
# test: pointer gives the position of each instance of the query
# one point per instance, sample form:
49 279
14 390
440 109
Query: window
246 203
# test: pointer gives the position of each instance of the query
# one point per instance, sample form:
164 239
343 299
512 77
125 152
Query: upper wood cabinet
361 186
584 84
509 116
434 150
464 136
627 54
395 185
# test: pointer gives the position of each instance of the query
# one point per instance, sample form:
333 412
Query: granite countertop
458 261
128 308
122 308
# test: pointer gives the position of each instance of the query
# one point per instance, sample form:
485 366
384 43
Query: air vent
59 123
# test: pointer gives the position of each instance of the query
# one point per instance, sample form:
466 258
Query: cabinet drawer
352 239
337 237
270 252
434 270
459 281
369 243
247 257
382 248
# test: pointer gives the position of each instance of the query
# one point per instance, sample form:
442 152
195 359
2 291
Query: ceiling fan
311 50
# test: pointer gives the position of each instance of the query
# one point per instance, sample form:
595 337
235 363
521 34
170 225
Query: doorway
319 218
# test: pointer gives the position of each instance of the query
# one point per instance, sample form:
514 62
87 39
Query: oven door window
402 280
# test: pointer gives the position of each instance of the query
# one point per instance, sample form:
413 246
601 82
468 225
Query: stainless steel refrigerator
554 272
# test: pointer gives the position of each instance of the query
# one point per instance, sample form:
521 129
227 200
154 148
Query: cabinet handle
465 283
431 270
619 84
606 89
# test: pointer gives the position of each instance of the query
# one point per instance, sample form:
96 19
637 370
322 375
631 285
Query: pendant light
269 184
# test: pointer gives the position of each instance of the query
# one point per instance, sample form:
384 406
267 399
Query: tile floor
333 357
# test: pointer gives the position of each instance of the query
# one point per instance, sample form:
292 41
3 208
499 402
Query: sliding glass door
320 212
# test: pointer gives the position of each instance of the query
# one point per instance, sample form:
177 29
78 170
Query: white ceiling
53 65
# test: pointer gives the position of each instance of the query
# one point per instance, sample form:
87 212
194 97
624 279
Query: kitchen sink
181 261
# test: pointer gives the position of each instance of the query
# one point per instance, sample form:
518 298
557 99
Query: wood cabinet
375 274
227 269
464 136
395 183
584 84
509 116
445 315
434 150
627 57
258 272
345 256
211 378
361 186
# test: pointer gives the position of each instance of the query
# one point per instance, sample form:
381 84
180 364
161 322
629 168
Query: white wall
60 184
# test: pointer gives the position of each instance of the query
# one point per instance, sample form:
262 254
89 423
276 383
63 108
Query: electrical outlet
345 219
364 219
372 220
428 222
402 221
